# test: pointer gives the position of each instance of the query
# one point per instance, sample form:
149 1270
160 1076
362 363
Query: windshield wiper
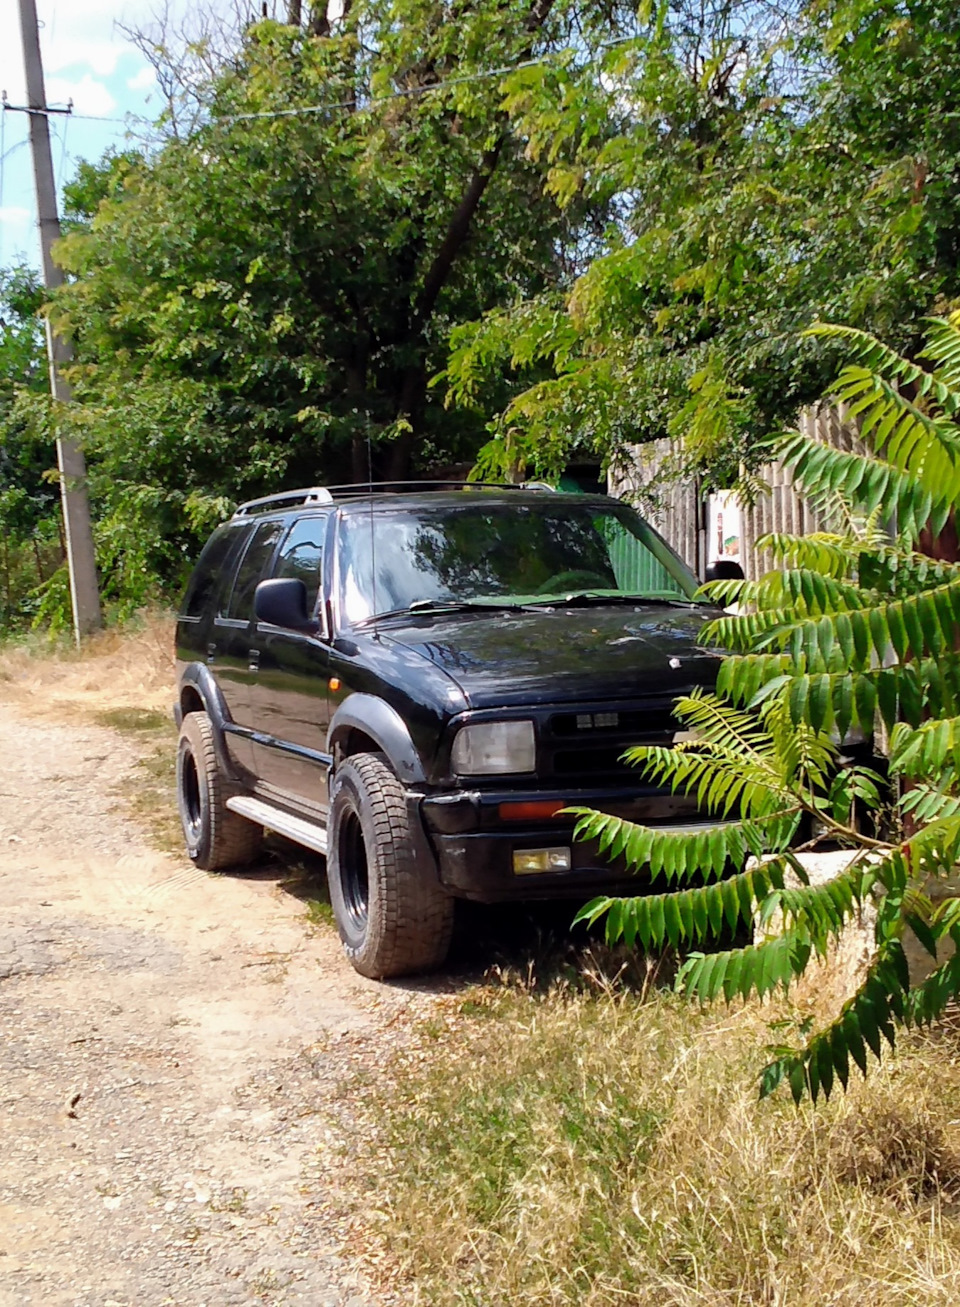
428 606
584 597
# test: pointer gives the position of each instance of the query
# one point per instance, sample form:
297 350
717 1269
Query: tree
262 302
851 627
768 167
29 502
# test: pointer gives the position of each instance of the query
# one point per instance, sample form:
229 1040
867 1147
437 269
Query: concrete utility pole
73 471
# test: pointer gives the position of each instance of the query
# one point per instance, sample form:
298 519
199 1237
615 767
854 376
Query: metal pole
81 558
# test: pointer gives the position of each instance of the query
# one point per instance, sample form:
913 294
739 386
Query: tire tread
410 926
233 841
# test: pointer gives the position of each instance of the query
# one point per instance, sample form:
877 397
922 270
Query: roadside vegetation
394 243
120 679
581 1146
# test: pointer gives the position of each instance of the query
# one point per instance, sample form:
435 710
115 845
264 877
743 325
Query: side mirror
283 602
723 569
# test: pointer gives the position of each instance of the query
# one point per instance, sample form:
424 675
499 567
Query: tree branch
456 234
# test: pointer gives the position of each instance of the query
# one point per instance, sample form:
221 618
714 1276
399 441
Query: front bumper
474 844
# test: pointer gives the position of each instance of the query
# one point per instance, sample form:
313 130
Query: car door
289 691
232 650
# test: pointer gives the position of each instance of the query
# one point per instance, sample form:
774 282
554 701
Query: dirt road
169 1045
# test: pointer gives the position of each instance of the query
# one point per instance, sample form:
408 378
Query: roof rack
327 494
312 495
450 483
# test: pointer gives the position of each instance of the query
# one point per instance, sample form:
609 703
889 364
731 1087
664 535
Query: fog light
530 862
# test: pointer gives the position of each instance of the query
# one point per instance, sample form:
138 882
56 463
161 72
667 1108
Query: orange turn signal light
334 682
535 810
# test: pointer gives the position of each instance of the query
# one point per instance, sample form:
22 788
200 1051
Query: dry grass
599 1149
124 669
122 678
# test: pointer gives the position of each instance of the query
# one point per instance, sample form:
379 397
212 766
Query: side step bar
293 828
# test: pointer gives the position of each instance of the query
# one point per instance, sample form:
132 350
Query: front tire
393 916
215 837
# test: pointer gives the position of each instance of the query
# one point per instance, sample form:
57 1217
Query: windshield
502 554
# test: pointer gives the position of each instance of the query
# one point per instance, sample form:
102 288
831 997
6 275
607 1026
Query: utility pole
81 558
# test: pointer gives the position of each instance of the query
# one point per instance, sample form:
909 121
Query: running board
293 828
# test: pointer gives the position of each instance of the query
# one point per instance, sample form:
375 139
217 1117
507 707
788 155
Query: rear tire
393 916
215 836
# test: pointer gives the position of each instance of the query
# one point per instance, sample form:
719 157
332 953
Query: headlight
487 748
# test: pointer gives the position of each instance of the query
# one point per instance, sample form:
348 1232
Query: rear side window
218 552
252 564
301 555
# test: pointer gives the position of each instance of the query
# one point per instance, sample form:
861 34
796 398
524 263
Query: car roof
351 501
463 498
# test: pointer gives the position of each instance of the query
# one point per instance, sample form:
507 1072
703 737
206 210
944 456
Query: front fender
384 725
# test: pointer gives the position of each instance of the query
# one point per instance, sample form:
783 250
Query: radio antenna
373 536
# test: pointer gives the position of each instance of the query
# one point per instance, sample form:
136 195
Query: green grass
586 1149
150 794
319 912
134 721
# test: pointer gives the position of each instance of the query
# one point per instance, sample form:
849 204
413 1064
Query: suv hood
509 659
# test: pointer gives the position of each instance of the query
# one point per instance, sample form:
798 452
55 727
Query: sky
87 59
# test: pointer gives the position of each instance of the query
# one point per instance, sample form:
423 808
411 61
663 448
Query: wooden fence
652 477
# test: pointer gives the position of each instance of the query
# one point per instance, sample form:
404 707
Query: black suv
416 683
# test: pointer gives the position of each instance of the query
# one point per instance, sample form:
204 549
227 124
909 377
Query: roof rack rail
392 487
327 494
311 495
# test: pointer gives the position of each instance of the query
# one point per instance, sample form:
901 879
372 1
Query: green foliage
765 169
30 551
261 300
851 632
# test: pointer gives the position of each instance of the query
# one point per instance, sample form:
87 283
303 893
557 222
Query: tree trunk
458 230
319 24
412 394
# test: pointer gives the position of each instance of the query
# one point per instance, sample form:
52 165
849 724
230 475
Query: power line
408 92
68 112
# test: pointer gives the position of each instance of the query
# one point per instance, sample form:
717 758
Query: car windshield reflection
497 556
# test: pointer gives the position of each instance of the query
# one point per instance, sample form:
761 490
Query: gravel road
168 1040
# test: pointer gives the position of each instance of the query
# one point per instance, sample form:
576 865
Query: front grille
588 742
630 722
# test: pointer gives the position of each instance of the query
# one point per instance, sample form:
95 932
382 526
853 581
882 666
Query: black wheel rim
354 875
191 806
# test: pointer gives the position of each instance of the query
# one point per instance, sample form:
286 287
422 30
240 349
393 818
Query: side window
217 553
251 570
301 555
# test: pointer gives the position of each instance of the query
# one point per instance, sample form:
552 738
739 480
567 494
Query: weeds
133 721
150 794
127 669
319 912
602 1147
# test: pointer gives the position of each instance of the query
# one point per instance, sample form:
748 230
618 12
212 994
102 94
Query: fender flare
199 678
384 725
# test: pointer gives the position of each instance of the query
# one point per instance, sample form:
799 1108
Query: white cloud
143 80
15 213
66 49
89 96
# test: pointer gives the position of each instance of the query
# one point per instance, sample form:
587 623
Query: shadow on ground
532 944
